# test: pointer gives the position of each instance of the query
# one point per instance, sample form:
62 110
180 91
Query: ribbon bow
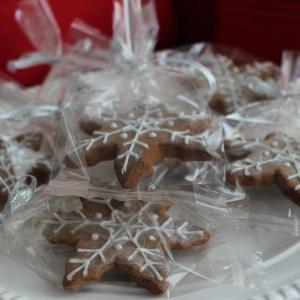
20 195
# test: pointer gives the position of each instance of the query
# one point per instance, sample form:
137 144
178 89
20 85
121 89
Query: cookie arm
87 265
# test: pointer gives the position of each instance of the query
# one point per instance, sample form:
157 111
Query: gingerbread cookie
32 160
272 160
141 138
7 175
132 236
239 85
20 156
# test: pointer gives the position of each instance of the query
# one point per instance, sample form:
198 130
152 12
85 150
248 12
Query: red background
263 27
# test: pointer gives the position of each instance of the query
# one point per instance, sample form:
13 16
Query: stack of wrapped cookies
128 168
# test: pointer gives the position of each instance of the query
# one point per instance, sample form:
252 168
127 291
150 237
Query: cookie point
69 277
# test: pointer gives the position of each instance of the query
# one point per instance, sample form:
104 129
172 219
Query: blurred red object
261 27
94 12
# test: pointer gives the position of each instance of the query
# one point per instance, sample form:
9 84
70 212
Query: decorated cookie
7 175
134 237
20 156
272 160
31 158
239 85
139 139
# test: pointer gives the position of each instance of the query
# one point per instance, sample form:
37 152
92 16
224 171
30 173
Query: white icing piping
285 155
151 123
122 228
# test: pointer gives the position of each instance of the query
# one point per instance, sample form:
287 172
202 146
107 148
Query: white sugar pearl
154 217
127 204
98 216
131 115
95 236
152 134
119 247
113 125
287 164
267 153
152 238
124 135
170 123
275 144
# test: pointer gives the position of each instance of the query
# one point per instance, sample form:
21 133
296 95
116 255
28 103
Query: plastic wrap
138 113
28 133
132 243
146 139
25 150
84 48
240 77
141 136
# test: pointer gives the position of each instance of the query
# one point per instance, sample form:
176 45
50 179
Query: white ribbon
20 195
30 111
30 60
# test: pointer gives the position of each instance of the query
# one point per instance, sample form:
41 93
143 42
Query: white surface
281 255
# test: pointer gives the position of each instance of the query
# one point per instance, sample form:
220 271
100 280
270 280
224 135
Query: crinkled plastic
26 150
133 126
36 19
28 133
83 147
127 233
240 78
139 103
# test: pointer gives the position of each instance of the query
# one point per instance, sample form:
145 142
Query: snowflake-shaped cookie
139 139
132 236
19 156
272 160
238 86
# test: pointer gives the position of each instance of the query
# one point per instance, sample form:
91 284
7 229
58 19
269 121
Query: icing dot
113 125
267 153
154 217
95 236
124 135
98 216
131 115
118 247
275 144
170 123
152 134
152 238
69 277
287 164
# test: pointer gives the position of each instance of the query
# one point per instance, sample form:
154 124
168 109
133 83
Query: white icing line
125 228
144 123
